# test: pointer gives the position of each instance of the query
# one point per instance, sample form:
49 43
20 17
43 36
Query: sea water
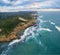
41 39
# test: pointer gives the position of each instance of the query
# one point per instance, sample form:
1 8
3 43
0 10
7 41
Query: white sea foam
42 21
58 28
22 37
41 16
5 51
46 29
14 41
52 22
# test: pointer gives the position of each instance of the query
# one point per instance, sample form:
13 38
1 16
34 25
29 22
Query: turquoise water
41 39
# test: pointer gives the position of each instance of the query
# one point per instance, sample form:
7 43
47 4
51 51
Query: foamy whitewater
30 33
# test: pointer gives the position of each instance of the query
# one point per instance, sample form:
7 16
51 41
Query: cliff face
17 29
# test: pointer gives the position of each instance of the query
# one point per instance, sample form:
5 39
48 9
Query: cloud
14 2
44 4
10 5
11 8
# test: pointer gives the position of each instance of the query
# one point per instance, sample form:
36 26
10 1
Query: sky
18 5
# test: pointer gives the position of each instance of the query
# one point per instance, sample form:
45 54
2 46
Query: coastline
14 34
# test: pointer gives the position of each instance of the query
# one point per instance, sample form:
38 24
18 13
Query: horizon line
17 10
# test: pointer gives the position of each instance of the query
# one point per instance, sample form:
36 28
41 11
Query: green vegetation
8 24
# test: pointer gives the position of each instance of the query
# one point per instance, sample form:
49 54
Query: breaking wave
57 27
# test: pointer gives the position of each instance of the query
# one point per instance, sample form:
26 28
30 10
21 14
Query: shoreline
14 34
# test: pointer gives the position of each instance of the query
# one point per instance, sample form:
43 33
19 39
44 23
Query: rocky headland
14 34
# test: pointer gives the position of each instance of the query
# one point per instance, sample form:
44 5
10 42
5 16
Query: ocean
43 38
